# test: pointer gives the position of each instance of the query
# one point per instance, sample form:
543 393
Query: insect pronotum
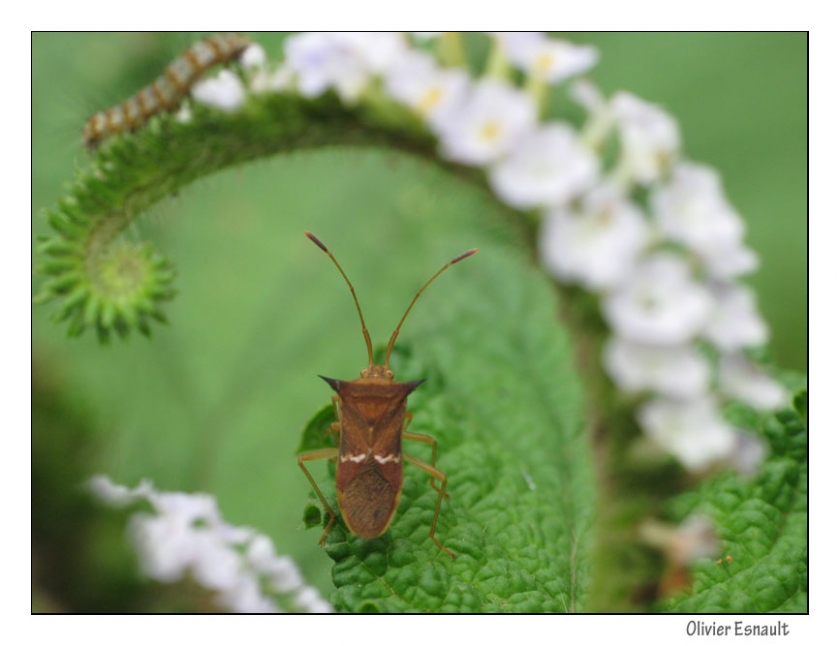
167 92
371 424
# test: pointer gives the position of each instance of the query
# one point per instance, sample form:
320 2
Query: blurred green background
217 399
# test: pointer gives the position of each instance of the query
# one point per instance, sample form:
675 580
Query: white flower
586 94
749 454
735 322
549 168
691 208
187 507
164 545
416 80
695 539
742 379
343 61
184 535
376 49
260 552
233 535
494 119
727 262
310 600
281 571
659 304
253 57
692 431
649 137
279 80
691 540
547 59
675 371
284 576
184 113
117 495
597 244
187 534
245 596
214 563
223 92
181 537
320 64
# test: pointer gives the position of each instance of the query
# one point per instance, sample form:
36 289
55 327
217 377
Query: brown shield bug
371 424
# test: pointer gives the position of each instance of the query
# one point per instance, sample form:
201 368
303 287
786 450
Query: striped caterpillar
167 92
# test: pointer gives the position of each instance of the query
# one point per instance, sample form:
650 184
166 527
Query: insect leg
426 439
319 454
434 473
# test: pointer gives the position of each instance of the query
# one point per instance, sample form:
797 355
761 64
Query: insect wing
371 430
370 470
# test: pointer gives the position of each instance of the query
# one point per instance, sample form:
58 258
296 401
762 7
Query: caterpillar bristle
167 92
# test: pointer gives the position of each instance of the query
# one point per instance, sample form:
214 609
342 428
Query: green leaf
511 443
762 524
312 516
316 434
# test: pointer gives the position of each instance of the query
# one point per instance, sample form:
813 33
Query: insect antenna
352 292
466 254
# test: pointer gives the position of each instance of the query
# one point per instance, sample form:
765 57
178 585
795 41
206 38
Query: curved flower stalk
646 251
185 535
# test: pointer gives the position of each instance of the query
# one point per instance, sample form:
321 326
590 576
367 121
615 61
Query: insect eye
389 374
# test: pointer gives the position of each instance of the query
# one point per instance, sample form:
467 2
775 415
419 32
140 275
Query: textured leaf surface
512 446
763 526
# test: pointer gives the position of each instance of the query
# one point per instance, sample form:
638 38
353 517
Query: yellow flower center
430 100
543 64
490 131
